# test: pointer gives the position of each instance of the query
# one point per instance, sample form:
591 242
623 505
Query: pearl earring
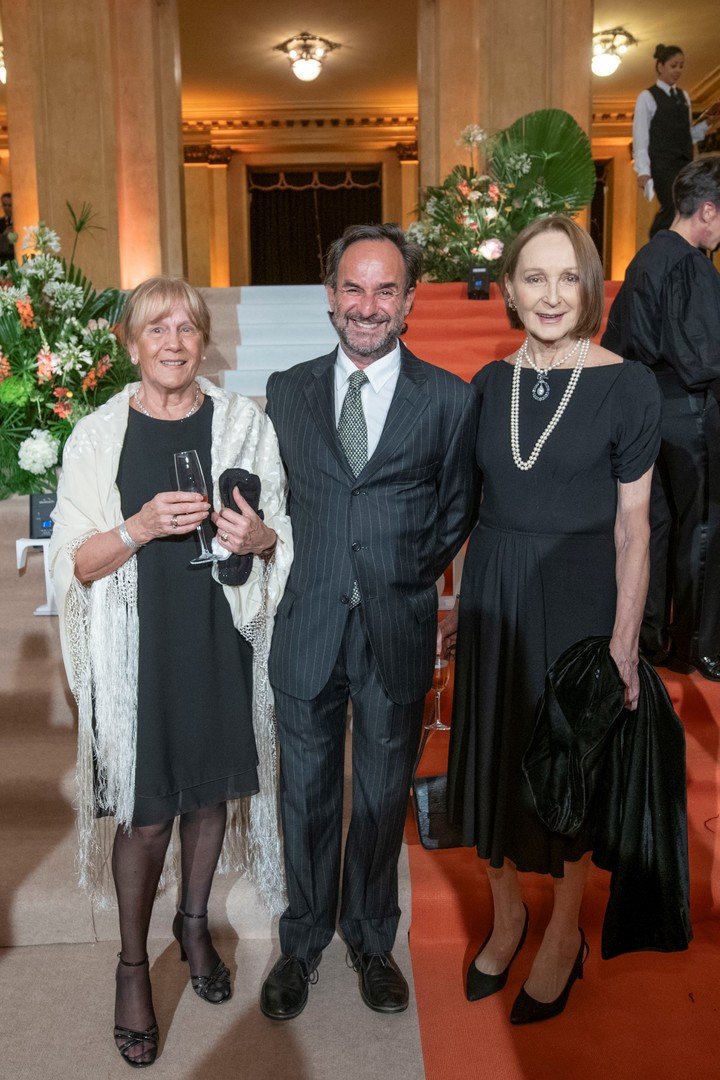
511 303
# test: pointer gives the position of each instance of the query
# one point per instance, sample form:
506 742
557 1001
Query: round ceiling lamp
306 53
609 47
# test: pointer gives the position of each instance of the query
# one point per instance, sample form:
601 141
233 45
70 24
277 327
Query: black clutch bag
235 570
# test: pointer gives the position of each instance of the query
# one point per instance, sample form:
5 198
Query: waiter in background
663 132
667 315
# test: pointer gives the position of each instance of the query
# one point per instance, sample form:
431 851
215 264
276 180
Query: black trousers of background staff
684 591
385 739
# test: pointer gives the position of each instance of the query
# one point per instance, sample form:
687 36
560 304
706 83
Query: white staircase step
282 294
281 357
263 314
290 331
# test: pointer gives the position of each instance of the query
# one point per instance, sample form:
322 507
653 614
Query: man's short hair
697 183
411 252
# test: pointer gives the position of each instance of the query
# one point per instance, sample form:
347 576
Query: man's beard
371 351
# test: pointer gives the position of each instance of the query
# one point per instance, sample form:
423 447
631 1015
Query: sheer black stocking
137 862
201 838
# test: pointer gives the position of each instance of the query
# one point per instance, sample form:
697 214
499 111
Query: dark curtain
290 231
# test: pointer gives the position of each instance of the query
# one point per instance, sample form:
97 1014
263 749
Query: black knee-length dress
539 575
195 742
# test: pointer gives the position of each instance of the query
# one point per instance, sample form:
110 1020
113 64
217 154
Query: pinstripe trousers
385 740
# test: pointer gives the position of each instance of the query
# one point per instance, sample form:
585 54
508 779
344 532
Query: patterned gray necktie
352 432
352 429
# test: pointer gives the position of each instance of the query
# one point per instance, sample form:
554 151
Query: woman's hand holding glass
169 513
244 533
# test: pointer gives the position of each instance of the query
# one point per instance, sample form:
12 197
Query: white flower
39 452
68 297
43 266
40 237
72 357
472 135
491 249
10 295
489 213
519 163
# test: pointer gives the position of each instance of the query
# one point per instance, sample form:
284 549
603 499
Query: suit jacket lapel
410 399
320 396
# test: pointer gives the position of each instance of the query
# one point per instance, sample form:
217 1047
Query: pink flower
491 249
45 367
463 187
494 192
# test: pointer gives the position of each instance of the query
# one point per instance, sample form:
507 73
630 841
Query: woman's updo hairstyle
664 52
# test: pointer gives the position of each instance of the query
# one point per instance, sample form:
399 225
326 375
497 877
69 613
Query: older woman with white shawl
168 665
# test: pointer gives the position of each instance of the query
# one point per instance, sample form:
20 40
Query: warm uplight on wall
609 47
306 53
3 72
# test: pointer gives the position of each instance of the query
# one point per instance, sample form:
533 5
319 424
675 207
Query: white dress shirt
645 109
376 394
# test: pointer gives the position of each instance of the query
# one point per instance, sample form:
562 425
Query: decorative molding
707 90
205 154
407 151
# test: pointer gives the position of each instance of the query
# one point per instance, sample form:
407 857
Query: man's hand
447 633
642 181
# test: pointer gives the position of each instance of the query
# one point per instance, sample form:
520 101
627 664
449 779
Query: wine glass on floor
188 471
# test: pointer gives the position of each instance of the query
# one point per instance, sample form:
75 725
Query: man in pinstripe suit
382 493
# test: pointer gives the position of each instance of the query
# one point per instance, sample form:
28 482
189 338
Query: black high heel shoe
213 988
479 985
134 1038
526 1010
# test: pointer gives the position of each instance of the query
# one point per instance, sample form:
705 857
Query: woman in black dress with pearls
567 438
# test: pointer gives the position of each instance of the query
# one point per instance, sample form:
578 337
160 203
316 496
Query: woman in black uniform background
663 132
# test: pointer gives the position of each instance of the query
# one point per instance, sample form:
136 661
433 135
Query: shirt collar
378 373
665 86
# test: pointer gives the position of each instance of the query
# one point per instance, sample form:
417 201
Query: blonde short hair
155 298
590 271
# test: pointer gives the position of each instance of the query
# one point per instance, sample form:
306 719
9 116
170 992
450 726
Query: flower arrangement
59 359
542 164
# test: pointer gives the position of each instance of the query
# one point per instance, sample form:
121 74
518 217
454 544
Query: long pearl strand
515 409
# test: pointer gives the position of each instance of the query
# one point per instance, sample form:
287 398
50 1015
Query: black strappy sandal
134 1038
213 988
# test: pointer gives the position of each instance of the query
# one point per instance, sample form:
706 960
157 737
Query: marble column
93 100
488 63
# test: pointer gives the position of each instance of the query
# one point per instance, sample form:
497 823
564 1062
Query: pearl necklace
193 408
515 409
541 389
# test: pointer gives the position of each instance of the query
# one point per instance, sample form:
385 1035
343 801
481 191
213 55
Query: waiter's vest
671 144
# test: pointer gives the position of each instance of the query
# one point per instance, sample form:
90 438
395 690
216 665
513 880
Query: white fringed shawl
99 635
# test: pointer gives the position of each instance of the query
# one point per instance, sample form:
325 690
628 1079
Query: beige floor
57 952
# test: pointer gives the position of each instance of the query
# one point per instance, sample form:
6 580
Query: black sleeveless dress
539 575
195 742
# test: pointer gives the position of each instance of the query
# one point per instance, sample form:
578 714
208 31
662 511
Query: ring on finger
173 522
224 537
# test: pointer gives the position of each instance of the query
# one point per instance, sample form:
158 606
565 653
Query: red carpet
646 1016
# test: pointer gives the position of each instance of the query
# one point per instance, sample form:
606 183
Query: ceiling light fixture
306 53
609 47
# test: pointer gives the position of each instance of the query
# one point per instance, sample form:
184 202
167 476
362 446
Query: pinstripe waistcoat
393 528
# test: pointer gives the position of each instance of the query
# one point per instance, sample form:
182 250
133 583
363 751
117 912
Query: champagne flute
441 676
188 471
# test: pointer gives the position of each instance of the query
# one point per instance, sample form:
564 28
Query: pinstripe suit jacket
394 528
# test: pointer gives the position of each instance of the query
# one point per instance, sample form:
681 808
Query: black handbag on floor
236 569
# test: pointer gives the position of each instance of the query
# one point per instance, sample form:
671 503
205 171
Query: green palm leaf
560 153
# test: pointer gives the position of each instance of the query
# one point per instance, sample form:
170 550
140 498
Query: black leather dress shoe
382 984
285 991
709 667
